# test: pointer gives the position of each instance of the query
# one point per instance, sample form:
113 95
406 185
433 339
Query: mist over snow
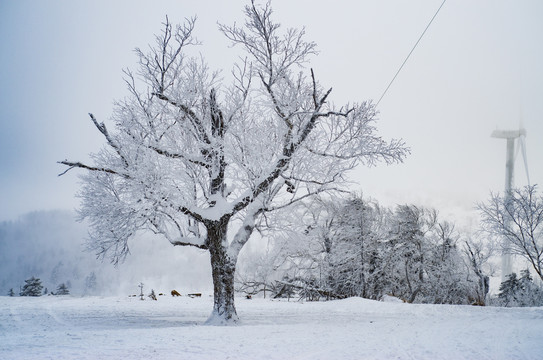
50 245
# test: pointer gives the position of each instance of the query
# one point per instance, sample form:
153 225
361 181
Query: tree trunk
223 269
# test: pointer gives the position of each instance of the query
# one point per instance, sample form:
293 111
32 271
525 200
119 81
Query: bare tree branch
517 219
72 165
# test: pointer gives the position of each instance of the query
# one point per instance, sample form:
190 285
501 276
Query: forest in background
356 247
337 249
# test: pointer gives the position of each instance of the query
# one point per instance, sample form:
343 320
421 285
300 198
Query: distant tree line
356 247
34 287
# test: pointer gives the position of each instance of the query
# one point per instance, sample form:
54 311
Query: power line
407 58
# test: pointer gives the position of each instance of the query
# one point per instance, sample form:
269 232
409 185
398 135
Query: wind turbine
510 136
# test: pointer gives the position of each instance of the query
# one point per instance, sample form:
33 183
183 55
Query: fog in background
478 68
50 245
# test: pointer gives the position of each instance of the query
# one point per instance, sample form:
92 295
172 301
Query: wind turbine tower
510 136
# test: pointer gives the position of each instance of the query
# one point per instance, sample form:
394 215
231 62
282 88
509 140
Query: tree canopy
202 161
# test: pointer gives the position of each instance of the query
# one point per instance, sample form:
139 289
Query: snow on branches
193 157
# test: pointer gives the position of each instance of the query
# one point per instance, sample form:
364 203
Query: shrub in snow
32 287
62 289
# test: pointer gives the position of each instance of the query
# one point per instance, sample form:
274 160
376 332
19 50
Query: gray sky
478 68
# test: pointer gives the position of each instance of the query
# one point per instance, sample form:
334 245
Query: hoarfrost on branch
193 158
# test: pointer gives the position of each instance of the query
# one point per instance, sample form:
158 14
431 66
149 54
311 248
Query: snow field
171 328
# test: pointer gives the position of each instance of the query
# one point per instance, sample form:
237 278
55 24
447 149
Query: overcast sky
478 68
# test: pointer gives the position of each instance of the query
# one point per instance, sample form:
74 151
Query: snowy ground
171 328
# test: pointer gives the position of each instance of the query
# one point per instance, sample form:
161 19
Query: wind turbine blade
517 148
522 141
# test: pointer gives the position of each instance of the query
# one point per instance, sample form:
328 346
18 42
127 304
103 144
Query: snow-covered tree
521 291
447 277
32 287
62 289
477 255
340 254
423 262
354 256
509 290
532 294
355 247
11 292
518 219
302 257
408 259
204 162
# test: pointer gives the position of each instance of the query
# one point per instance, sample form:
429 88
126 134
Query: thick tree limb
182 243
193 214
